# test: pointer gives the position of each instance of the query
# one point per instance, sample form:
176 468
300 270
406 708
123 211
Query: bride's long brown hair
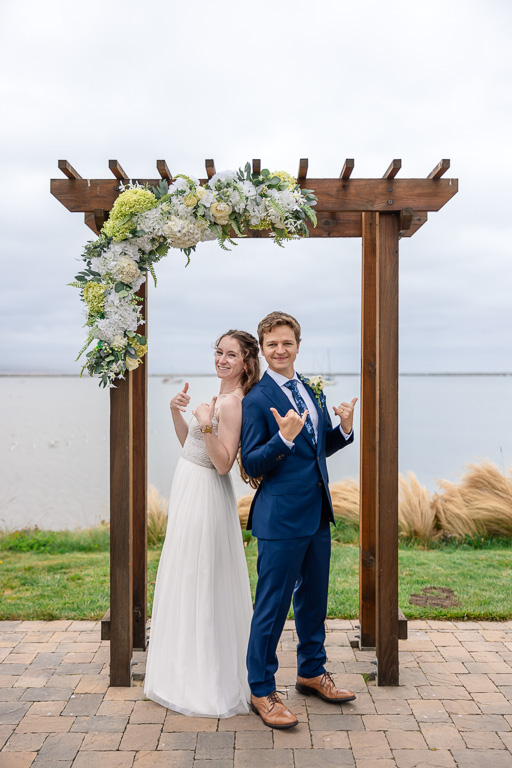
250 376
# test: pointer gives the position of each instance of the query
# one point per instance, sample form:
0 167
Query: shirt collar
280 379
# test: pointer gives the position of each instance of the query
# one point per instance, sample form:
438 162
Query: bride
202 605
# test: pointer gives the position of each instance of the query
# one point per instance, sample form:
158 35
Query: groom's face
280 348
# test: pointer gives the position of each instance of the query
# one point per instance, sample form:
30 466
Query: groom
286 435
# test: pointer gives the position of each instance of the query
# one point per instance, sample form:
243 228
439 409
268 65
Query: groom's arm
261 452
335 437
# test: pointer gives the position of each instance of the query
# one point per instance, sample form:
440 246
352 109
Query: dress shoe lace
273 698
327 680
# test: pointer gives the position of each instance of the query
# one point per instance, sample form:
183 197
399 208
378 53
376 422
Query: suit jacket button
319 483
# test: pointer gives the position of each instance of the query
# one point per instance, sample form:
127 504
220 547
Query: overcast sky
90 81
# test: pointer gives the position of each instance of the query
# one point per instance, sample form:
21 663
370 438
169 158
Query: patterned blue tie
301 405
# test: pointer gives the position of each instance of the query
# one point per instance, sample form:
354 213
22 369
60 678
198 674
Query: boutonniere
316 384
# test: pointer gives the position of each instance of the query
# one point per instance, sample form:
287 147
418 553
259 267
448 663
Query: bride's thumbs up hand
180 401
204 413
291 424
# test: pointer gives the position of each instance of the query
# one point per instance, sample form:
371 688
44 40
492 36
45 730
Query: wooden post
140 483
387 450
121 508
369 455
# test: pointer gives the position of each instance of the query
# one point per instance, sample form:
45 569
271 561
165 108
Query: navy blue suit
290 516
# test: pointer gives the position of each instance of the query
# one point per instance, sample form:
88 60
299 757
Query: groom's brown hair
274 319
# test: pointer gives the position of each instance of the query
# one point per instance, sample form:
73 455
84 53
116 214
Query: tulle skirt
202 606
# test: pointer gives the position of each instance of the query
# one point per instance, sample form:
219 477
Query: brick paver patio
453 707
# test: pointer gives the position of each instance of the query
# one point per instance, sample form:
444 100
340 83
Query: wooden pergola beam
439 170
116 169
256 165
419 218
68 170
334 195
100 218
120 626
406 216
163 170
369 471
329 225
387 452
303 169
393 169
347 169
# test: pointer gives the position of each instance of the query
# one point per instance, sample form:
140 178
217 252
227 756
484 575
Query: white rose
132 363
220 212
190 200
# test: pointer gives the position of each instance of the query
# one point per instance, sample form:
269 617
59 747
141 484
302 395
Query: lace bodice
194 449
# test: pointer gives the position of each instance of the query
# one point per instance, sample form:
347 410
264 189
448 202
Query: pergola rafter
380 211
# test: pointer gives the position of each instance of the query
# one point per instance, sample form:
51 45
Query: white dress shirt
310 405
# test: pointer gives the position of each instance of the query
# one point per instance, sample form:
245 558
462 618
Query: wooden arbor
380 211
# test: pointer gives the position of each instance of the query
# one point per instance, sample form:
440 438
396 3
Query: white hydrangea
221 176
249 189
119 342
125 270
120 316
182 233
152 221
181 184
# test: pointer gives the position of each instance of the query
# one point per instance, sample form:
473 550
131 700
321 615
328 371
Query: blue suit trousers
290 568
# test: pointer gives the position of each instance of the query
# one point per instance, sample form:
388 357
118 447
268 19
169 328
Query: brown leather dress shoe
272 711
324 687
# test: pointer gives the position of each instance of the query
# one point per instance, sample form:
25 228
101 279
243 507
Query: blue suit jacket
294 488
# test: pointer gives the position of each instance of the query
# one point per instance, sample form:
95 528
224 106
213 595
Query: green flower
94 295
140 349
129 203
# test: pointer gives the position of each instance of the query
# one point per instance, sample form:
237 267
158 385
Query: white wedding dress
202 605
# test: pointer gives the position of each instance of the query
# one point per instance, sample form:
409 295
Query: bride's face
229 363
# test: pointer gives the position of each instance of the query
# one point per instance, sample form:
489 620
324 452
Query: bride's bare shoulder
229 403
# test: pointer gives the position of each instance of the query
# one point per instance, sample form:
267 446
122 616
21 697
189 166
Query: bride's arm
178 405
222 448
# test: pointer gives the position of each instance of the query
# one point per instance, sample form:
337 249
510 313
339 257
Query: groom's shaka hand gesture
291 424
346 413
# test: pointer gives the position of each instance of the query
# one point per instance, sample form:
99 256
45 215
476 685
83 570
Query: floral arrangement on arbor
143 225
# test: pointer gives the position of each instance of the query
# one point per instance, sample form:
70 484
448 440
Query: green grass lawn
75 585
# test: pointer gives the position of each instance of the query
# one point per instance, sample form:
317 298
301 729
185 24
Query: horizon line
14 374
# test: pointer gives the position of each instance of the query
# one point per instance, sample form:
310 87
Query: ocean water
54 469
